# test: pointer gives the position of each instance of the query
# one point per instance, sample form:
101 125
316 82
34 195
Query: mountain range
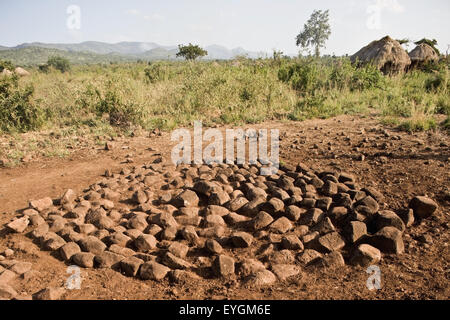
94 52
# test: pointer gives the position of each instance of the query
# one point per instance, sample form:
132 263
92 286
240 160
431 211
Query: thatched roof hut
423 53
21 72
386 54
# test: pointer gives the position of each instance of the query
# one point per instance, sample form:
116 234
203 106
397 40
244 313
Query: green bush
59 63
17 110
5 64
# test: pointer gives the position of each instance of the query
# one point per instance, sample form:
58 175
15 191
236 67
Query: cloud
154 17
391 5
133 12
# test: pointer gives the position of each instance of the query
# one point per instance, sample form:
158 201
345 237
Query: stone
337 214
261 220
187 198
236 204
285 271
331 260
309 256
84 259
41 204
49 294
213 246
53 243
249 267
120 239
423 207
241 239
312 217
7 276
163 220
189 234
330 188
68 197
261 278
127 252
219 198
7 292
388 240
153 271
179 249
182 276
407 217
388 218
324 226
281 225
281 257
68 250
174 262
329 242
294 213
145 243
223 266
291 242
130 266
213 220
273 206
19 225
140 197
216 210
92 244
108 259
355 230
365 255
367 206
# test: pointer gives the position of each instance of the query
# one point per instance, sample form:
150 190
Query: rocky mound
225 221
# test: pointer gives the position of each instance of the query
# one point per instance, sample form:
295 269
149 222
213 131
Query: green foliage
315 32
6 64
191 52
18 112
59 63
431 43
156 72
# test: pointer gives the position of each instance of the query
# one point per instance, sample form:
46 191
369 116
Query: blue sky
259 25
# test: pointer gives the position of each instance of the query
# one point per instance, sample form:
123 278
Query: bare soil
399 164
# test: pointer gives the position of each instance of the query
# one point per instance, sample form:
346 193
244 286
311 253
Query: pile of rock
157 221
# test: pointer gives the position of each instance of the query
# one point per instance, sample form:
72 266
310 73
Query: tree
191 52
6 64
59 63
316 31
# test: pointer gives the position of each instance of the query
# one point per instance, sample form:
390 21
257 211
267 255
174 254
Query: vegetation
5 64
431 43
191 52
59 63
316 31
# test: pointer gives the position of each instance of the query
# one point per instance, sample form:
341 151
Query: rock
312 217
68 250
120 239
261 220
367 206
179 249
261 278
355 230
174 262
92 244
189 234
53 243
285 271
291 242
127 252
8 252
281 257
7 292
375 194
140 197
214 220
218 198
330 188
365 255
187 198
153 271
68 197
213 246
49 294
388 218
324 226
293 212
182 276
216 210
163 220
281 225
108 259
241 239
388 240
309 256
223 266
407 217
7 276
84 259
19 225
329 242
130 266
236 204
273 206
423 207
109 146
41 204
145 243
333 259
249 267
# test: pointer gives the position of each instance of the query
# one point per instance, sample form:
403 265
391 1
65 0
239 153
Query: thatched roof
21 72
423 53
386 54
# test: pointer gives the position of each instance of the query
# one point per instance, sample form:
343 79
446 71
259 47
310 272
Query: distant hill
32 56
95 51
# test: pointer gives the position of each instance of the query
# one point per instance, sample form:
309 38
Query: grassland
88 102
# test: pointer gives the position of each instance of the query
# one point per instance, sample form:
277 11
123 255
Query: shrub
5 64
17 111
59 63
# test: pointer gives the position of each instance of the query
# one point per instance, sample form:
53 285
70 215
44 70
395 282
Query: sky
256 25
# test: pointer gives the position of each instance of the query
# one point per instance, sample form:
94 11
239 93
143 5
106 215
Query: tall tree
316 31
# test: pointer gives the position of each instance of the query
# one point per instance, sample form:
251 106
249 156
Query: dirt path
399 164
